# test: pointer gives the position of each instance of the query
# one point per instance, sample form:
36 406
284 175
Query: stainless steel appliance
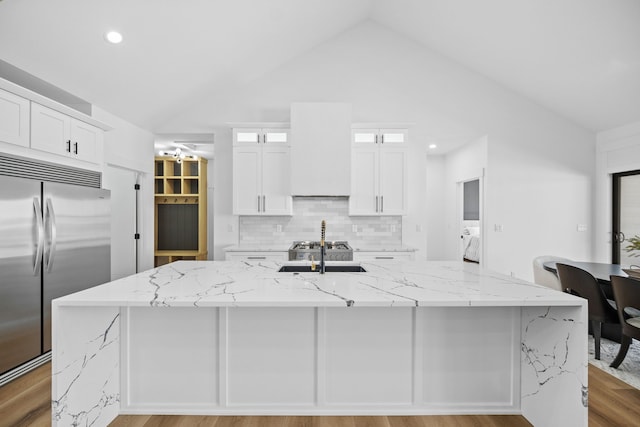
334 251
54 240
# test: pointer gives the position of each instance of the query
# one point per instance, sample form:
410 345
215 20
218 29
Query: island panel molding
403 338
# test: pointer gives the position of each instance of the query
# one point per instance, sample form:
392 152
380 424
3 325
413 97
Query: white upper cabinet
378 172
57 133
14 119
86 140
261 172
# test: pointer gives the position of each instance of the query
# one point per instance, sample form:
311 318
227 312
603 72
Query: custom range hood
320 149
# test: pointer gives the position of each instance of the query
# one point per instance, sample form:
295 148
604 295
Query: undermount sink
327 268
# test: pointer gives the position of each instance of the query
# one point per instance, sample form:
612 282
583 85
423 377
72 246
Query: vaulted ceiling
579 58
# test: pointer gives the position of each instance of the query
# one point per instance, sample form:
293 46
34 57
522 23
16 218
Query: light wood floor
26 402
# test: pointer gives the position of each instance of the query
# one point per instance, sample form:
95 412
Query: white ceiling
580 58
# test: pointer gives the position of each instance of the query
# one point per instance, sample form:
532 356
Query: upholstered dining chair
545 277
583 284
626 291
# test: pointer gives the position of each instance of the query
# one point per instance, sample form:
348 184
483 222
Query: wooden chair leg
624 347
597 333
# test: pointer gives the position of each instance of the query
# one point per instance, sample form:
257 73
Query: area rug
629 369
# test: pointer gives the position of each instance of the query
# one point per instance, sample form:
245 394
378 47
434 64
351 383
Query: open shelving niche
180 210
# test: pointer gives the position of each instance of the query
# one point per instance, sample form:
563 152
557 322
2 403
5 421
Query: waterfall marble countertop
259 284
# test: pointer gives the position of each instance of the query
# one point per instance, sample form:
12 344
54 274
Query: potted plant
634 245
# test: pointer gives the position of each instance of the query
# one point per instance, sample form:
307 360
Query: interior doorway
626 219
471 220
124 219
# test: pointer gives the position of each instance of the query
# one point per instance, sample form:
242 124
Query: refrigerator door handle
37 262
51 216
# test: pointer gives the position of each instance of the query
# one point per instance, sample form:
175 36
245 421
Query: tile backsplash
308 212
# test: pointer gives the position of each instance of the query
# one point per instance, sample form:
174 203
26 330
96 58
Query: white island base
372 355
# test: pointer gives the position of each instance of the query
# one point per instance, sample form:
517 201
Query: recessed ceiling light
432 146
113 37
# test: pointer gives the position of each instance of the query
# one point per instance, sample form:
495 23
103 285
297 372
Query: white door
364 199
247 136
50 130
121 182
247 172
392 137
470 215
14 119
274 137
84 141
276 180
393 180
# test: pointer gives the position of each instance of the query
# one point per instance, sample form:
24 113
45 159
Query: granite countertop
259 284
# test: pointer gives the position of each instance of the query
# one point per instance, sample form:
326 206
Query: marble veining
73 376
549 362
249 284
554 360
550 386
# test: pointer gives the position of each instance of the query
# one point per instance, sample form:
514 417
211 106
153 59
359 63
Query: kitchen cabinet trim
42 100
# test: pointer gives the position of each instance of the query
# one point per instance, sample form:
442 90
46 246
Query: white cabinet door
248 137
273 137
50 130
246 180
393 180
378 172
379 256
256 256
276 180
254 136
261 171
364 199
85 141
361 137
58 133
14 119
392 136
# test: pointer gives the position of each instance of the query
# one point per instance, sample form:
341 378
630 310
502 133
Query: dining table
600 270
602 273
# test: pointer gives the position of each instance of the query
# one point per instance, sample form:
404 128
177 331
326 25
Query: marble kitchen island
230 338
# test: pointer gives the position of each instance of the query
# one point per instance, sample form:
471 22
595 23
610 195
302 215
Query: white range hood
320 149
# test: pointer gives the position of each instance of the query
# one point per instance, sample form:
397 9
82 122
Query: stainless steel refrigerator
54 240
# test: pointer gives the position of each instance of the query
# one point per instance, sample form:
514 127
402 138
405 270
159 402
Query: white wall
539 187
464 164
128 151
618 150
539 165
436 208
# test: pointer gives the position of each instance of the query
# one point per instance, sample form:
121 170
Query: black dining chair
626 291
581 283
